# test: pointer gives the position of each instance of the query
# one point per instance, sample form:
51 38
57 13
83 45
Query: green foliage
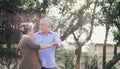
33 6
116 36
91 62
29 6
64 59
18 11
111 16
114 67
7 52
32 10
8 57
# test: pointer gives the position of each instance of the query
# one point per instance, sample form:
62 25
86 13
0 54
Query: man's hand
53 44
56 44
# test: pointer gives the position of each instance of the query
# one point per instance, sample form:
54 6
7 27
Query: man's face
43 27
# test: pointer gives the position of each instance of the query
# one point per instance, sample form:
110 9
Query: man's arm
58 41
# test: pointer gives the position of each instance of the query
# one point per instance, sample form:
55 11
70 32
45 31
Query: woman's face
31 32
21 28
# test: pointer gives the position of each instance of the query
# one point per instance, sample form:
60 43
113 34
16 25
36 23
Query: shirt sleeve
32 44
57 39
33 37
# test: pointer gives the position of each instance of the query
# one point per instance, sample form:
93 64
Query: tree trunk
104 47
115 49
112 62
79 50
78 55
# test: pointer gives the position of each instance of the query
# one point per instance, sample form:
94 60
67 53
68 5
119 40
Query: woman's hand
19 53
53 44
49 46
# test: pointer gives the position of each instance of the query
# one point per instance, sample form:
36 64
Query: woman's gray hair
26 27
47 21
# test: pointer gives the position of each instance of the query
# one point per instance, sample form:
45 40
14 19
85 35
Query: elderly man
46 36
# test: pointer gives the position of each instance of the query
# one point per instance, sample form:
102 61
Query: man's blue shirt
47 56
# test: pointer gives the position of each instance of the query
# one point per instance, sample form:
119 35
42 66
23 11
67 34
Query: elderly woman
29 49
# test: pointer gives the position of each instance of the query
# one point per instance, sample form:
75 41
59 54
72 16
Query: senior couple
38 50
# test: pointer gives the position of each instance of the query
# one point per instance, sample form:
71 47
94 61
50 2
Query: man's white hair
47 21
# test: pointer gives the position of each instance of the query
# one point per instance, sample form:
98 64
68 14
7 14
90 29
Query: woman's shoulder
26 37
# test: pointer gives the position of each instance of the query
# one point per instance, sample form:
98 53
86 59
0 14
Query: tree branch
72 27
112 62
92 22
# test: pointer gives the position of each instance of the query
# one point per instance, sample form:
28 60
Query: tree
74 23
76 26
13 13
86 40
111 11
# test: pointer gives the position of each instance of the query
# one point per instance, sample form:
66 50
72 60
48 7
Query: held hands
56 44
50 45
53 44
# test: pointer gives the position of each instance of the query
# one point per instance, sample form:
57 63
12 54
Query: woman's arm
32 44
45 46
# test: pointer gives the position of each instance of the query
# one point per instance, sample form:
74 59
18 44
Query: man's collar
51 32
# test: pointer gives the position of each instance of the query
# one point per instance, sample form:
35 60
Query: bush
64 58
8 57
114 67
